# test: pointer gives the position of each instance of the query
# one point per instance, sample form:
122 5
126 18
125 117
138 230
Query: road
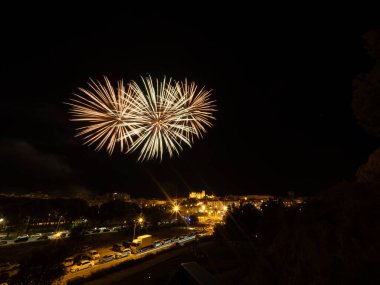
49 236
102 242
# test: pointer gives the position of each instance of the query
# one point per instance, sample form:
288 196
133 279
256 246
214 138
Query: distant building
258 197
125 197
147 203
197 195
108 197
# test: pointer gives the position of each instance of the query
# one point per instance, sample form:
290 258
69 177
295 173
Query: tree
366 106
117 211
193 220
370 171
42 267
333 240
155 215
240 223
366 89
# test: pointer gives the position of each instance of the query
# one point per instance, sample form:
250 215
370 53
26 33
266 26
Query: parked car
127 244
37 235
84 264
83 248
68 261
167 241
124 253
3 242
107 258
93 254
158 243
186 237
117 228
81 257
43 238
118 247
176 239
22 238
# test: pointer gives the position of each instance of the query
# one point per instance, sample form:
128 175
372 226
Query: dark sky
282 85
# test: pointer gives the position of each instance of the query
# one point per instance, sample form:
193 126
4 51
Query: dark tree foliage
240 223
42 267
193 220
77 231
115 212
18 210
370 171
156 214
366 105
272 220
333 239
92 214
366 88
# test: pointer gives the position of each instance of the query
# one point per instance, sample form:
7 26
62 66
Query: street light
176 210
59 221
140 220
2 223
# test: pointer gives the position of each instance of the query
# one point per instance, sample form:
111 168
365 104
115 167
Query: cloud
25 168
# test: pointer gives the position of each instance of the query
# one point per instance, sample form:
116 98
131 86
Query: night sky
282 86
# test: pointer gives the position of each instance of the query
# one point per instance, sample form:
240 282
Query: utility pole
56 230
27 225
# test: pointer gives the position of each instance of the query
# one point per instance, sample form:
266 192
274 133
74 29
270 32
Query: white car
84 264
37 235
93 254
107 258
123 253
68 261
22 238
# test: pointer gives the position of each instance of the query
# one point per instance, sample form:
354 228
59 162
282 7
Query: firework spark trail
108 115
198 107
153 119
163 127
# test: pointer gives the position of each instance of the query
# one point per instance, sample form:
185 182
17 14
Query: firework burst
198 107
107 114
152 118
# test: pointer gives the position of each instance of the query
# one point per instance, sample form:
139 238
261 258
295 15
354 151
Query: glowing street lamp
59 221
140 220
176 210
2 223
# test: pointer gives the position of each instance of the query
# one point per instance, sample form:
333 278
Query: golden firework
153 118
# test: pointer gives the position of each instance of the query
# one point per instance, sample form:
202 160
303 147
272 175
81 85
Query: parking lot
106 251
